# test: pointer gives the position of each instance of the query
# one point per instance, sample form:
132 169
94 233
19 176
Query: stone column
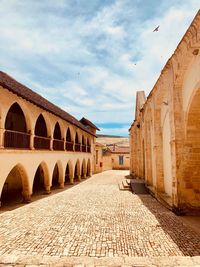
26 197
71 180
47 189
1 138
61 185
79 178
32 140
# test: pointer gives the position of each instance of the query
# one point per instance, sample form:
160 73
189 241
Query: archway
77 143
41 181
88 168
83 169
55 177
84 147
68 172
69 142
58 143
41 140
16 135
190 184
16 186
77 171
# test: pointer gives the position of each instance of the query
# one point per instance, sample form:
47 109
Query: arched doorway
77 143
68 173
16 135
58 143
77 171
41 182
88 168
84 147
69 143
41 140
16 186
55 177
83 169
190 183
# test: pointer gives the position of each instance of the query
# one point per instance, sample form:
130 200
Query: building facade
165 135
41 146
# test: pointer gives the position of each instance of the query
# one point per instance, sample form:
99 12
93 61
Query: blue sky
90 57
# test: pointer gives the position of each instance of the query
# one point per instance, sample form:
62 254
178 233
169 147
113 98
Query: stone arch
16 134
89 171
77 142
58 143
69 141
167 160
69 172
77 171
84 169
41 140
57 176
16 186
41 181
190 182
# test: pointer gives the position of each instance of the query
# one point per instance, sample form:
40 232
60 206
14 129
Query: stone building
41 146
111 158
165 135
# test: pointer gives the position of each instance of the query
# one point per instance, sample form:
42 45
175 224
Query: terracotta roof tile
21 90
117 149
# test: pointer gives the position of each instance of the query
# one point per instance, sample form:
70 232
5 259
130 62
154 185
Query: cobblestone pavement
94 219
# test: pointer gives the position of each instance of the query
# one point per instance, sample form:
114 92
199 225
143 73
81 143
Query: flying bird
156 29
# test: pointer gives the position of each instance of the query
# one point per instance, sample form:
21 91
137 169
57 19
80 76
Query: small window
121 160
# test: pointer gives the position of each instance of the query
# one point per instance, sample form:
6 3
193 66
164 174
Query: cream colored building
41 146
165 135
111 158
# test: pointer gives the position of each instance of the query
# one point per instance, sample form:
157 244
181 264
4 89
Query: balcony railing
84 149
58 144
77 147
69 146
88 149
14 139
41 142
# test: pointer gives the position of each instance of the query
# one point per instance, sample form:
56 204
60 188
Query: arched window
40 127
57 132
77 144
40 140
16 130
58 143
69 143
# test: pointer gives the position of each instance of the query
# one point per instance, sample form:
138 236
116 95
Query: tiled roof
99 144
89 123
21 90
118 149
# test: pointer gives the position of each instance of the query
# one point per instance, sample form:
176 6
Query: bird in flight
156 29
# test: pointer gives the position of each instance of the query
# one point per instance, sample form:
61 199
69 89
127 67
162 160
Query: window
121 160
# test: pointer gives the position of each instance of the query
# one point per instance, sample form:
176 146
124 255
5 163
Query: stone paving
96 224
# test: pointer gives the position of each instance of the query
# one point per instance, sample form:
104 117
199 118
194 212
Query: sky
90 57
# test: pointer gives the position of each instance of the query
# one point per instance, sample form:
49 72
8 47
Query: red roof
119 149
21 90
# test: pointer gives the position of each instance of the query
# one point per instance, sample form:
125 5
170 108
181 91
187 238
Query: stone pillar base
79 178
62 185
71 180
47 189
84 176
26 198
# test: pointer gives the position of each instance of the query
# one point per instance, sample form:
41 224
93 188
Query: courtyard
96 222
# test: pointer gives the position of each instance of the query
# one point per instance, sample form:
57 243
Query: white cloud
90 65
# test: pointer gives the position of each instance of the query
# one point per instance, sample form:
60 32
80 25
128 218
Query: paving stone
94 223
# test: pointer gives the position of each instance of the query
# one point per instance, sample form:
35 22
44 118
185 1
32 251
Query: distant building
165 135
111 157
